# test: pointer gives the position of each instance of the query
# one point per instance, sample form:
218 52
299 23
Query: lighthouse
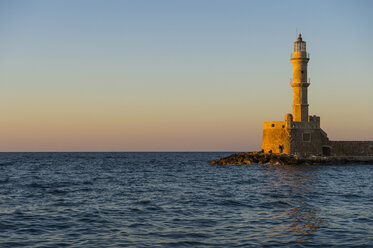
300 133
299 59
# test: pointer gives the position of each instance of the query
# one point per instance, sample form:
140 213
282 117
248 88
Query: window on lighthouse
297 47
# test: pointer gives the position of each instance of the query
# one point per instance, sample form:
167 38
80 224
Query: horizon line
110 151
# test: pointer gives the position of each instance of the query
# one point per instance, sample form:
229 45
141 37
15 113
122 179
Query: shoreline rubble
285 159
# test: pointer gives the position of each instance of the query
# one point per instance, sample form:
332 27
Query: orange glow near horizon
190 77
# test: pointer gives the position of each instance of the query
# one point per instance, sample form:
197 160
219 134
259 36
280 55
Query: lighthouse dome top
300 45
300 37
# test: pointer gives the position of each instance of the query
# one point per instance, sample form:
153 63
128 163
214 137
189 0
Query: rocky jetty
284 159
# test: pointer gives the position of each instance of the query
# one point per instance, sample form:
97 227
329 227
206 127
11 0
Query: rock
281 159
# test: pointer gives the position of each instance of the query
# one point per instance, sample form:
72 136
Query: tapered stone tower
300 84
300 133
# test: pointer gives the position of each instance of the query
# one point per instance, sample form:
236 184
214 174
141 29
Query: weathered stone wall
306 142
306 138
276 135
351 148
306 125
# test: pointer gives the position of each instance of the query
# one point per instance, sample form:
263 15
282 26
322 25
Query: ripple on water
178 200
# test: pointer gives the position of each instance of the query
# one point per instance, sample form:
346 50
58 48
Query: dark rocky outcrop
277 158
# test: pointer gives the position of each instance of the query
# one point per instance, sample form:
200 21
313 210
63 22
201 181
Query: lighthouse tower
299 133
300 84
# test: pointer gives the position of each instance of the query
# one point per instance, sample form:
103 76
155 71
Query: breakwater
280 158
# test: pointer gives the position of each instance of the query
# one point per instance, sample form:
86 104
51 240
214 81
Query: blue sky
176 75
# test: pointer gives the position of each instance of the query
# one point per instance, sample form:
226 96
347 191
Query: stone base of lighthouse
302 138
307 138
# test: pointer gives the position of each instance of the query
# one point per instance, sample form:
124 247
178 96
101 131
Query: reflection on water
295 185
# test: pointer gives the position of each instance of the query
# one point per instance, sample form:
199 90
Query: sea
179 200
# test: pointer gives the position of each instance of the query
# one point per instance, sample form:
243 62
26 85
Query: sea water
179 200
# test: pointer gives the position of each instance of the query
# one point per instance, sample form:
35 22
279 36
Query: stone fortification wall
305 142
276 137
305 125
351 148
307 138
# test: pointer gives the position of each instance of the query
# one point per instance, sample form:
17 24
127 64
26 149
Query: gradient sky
177 75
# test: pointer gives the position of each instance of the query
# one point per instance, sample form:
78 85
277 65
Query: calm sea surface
179 200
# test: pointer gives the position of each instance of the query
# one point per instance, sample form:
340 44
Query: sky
174 75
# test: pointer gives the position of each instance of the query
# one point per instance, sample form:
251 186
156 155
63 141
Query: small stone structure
300 133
